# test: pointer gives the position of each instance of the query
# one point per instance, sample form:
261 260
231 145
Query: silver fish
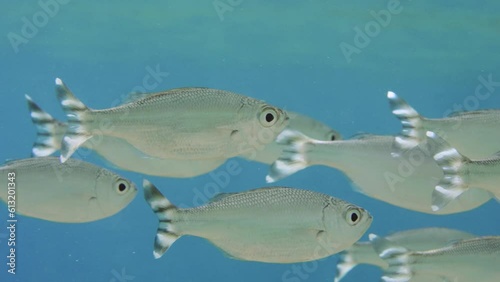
181 124
473 133
121 154
275 224
416 239
298 122
72 192
406 180
117 151
467 260
462 173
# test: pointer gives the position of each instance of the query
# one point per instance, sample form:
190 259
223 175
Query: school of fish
433 166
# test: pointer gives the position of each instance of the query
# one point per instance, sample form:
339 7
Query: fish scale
72 192
466 260
122 154
406 180
473 133
274 224
184 124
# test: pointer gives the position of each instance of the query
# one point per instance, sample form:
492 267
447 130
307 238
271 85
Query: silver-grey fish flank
119 152
462 173
200 124
406 180
72 192
275 224
467 260
415 239
475 134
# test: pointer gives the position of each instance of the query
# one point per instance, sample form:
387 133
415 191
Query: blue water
287 54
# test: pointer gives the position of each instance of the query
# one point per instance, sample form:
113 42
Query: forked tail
399 259
165 235
78 115
413 132
454 167
49 131
293 157
345 264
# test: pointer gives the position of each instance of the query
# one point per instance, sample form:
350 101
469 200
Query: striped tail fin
77 113
49 131
293 157
454 167
345 264
165 210
398 258
413 132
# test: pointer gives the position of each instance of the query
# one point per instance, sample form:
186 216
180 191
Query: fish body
475 134
406 180
120 153
275 225
416 239
475 259
462 173
72 192
179 124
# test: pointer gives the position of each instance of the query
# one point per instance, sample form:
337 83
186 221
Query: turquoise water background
288 54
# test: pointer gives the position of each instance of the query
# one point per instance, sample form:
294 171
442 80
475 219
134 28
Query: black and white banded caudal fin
49 131
165 235
78 115
413 132
292 158
454 167
345 264
398 258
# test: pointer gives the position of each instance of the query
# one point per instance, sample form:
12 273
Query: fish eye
332 137
353 216
268 117
121 186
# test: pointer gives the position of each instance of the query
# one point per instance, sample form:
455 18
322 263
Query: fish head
312 128
113 192
266 122
344 223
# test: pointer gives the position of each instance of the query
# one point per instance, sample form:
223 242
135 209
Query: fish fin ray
413 132
398 258
166 234
48 130
292 158
78 116
454 166
345 264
